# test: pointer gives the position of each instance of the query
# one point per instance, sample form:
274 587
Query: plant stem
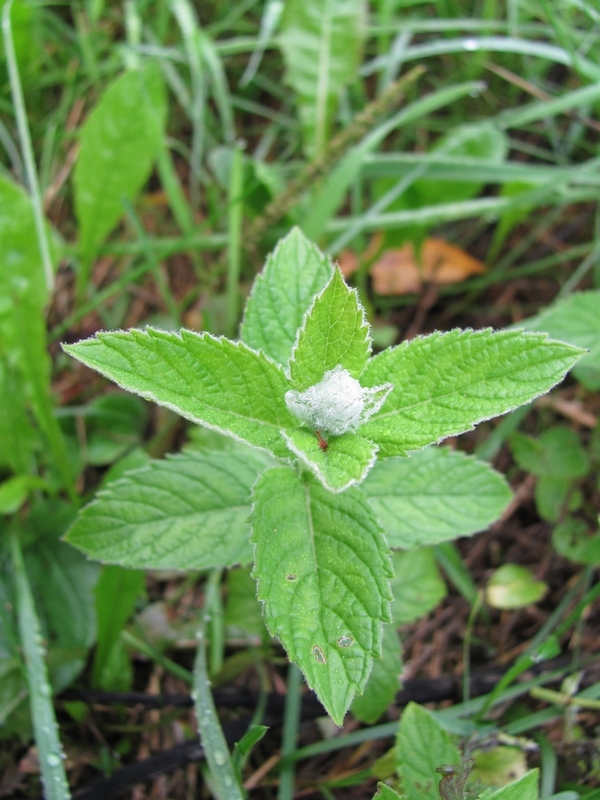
26 146
222 773
563 700
54 778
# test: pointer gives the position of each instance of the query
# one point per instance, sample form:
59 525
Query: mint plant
315 411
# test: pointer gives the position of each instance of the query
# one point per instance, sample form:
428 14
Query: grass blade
56 786
26 146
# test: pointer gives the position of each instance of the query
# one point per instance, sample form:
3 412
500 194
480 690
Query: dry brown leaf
398 272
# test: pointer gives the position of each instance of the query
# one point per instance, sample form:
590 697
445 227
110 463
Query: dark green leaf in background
119 143
436 495
422 746
384 680
576 320
417 586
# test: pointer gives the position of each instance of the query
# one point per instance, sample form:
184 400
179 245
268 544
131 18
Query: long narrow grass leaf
54 777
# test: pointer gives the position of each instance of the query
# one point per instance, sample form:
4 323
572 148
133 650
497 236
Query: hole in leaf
319 655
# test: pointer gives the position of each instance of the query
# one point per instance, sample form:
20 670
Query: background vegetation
152 154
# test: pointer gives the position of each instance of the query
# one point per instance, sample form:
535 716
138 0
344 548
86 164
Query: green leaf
575 320
480 141
417 586
115 423
498 766
322 47
14 491
436 495
551 494
322 568
385 792
119 142
294 272
26 28
18 437
511 218
345 462
557 458
513 586
23 296
126 585
557 452
63 583
214 382
447 382
421 746
242 610
573 540
188 511
526 788
383 683
334 333
22 277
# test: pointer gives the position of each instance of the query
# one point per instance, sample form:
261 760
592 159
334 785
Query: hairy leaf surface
214 382
322 567
436 495
346 461
188 511
334 332
576 320
445 383
294 272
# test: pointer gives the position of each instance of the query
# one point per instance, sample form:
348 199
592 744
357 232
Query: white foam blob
338 403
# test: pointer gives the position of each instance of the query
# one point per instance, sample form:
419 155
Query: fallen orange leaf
398 272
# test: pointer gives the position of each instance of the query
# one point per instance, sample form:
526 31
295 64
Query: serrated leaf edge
260 279
106 493
376 652
470 457
365 324
543 337
317 472
68 349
